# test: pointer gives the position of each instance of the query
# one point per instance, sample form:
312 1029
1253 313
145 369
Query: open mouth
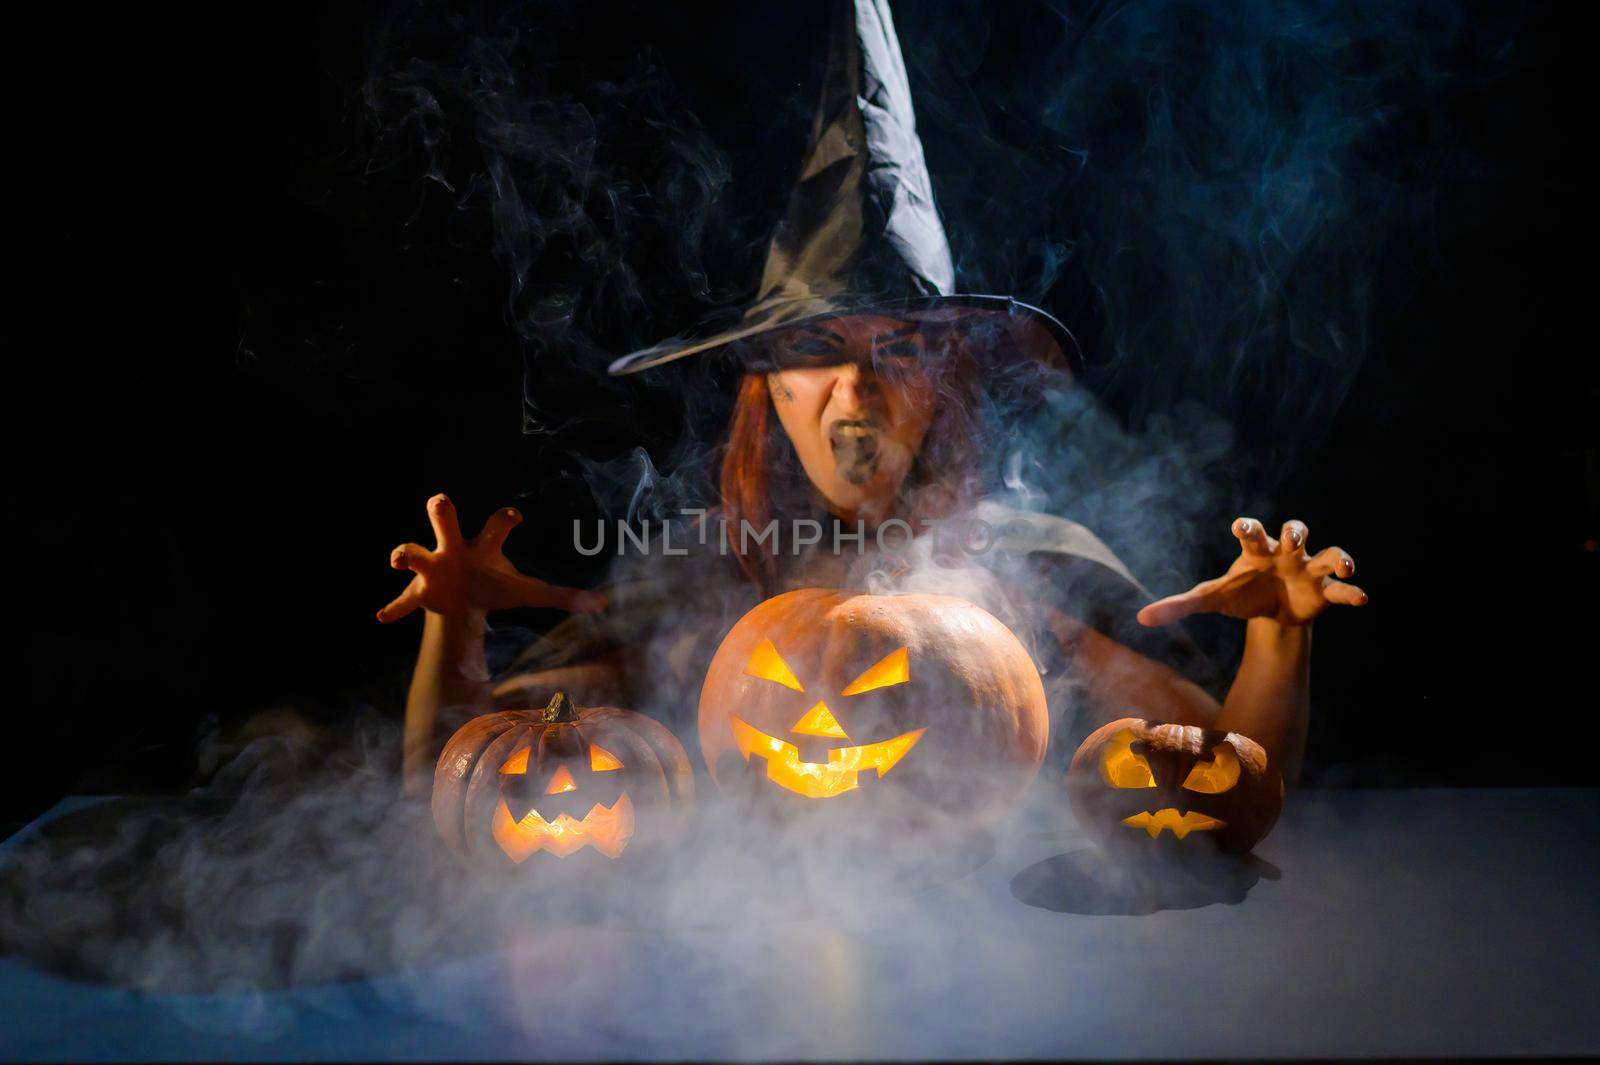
605 828
855 448
820 780
1180 824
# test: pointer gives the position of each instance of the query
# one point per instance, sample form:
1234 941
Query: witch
861 377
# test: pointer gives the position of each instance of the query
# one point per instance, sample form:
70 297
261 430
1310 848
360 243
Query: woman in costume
862 377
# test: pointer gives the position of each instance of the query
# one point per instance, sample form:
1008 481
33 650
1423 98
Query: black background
257 369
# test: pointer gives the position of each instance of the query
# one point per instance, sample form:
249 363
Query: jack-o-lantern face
821 692
1135 780
538 804
840 773
558 781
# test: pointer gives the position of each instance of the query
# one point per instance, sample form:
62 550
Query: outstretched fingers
1252 536
446 528
1331 562
1345 594
497 528
1173 608
413 557
404 603
1292 537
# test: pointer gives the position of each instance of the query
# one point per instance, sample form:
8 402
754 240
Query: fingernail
512 514
1244 527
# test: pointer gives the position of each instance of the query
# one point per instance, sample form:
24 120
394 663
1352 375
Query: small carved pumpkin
830 693
1134 782
550 783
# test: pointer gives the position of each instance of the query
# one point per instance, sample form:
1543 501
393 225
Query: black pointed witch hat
862 232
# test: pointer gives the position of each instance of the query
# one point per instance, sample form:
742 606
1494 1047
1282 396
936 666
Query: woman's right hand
461 576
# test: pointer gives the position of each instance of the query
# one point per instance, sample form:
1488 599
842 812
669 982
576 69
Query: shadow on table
1090 881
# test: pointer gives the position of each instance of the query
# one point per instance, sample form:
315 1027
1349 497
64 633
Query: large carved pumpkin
551 783
829 697
1135 784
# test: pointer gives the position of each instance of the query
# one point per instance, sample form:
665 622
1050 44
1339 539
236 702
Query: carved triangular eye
1217 775
819 721
602 760
767 664
893 668
1121 768
517 763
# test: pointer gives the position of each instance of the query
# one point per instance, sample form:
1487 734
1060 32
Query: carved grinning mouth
1169 818
605 828
820 780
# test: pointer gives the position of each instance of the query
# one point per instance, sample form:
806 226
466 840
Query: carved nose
1169 770
817 732
819 721
561 782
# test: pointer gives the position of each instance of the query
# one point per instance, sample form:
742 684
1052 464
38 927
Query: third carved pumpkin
1137 784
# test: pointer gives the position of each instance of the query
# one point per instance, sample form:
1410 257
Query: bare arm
457 583
451 672
1120 682
1278 589
1270 700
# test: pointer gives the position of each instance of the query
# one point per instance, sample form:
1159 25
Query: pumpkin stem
561 710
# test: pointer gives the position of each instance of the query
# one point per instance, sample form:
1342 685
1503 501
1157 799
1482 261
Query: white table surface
1395 923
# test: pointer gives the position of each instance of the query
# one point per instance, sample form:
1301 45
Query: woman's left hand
1270 579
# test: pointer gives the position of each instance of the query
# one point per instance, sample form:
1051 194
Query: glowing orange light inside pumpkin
819 780
1121 768
602 760
561 782
767 664
1180 824
1216 776
893 668
517 763
605 828
819 721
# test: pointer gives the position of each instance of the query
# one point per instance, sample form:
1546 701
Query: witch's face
856 401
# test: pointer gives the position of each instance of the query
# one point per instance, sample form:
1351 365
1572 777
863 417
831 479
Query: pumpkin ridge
470 741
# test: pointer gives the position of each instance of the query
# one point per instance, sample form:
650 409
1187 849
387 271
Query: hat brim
791 313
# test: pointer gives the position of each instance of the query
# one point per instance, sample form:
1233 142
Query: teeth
853 430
